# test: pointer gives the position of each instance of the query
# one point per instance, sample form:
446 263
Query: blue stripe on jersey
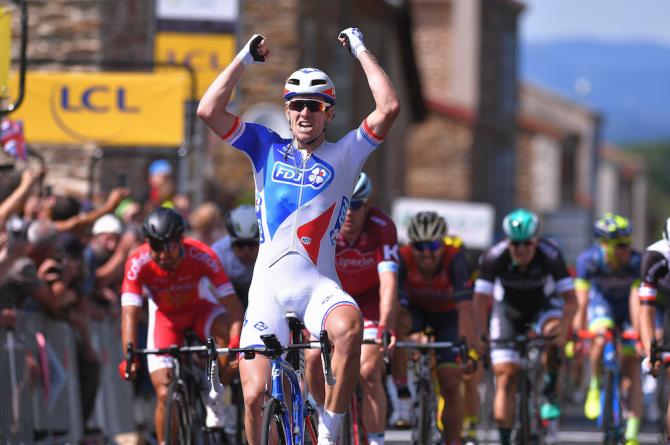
283 177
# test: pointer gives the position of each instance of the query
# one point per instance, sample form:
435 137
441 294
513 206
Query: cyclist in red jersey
367 264
187 288
436 292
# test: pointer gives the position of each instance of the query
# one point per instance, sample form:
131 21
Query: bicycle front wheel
177 428
273 426
425 421
609 426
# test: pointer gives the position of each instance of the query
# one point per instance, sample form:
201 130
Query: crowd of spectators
64 257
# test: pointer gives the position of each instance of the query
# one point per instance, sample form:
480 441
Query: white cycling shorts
292 284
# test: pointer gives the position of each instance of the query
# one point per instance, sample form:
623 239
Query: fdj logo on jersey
315 176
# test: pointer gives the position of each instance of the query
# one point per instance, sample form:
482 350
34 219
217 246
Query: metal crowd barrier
47 409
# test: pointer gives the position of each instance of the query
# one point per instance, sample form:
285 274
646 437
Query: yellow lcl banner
104 108
5 42
207 54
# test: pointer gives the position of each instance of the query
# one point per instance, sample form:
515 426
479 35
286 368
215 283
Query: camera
17 228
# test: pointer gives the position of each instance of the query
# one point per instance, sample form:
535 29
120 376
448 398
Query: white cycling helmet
363 187
310 81
426 226
666 231
241 223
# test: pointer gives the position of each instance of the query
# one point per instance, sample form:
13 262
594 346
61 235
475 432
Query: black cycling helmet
163 225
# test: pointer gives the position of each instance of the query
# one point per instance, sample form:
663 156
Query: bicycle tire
176 416
272 421
424 422
347 433
608 410
524 408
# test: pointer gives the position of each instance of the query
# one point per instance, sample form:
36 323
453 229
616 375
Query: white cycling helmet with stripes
310 81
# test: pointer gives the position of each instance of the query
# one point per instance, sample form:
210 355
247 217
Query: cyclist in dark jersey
523 274
655 273
436 293
608 277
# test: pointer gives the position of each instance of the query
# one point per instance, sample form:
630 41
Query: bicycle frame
280 369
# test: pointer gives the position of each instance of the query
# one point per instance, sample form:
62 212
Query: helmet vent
293 81
318 82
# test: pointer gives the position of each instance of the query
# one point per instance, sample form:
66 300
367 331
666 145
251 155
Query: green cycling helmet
521 225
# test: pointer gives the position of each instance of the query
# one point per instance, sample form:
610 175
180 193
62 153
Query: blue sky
640 20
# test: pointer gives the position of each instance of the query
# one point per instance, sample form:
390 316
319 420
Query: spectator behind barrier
206 223
104 258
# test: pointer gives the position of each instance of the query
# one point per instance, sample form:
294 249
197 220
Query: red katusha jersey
358 265
199 275
441 292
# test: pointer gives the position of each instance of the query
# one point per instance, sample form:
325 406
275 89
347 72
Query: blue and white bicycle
286 414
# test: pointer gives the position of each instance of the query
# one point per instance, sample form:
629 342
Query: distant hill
629 82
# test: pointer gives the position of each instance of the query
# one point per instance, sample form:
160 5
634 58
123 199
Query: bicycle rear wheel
273 427
177 428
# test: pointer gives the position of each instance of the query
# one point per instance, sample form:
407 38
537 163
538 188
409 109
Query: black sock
505 436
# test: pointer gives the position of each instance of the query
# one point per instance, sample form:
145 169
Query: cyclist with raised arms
366 259
187 288
239 248
436 293
608 277
523 274
303 187
653 293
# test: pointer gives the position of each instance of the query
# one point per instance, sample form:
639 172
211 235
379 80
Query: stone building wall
438 159
433 46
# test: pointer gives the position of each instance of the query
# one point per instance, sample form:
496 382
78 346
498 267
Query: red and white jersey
374 251
198 275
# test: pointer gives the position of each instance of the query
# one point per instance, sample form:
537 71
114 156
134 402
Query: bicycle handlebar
523 340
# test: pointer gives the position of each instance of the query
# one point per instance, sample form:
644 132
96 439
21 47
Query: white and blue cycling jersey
301 202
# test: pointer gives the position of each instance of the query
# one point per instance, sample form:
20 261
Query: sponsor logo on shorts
261 326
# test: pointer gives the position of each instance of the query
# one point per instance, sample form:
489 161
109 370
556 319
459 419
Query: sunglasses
245 244
158 246
432 246
311 104
526 243
355 205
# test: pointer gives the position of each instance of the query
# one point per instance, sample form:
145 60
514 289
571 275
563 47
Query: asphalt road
573 429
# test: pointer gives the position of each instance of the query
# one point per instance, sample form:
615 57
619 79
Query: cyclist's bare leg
399 361
450 377
551 356
316 384
630 370
503 404
472 400
596 356
254 375
227 364
345 329
160 379
374 399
